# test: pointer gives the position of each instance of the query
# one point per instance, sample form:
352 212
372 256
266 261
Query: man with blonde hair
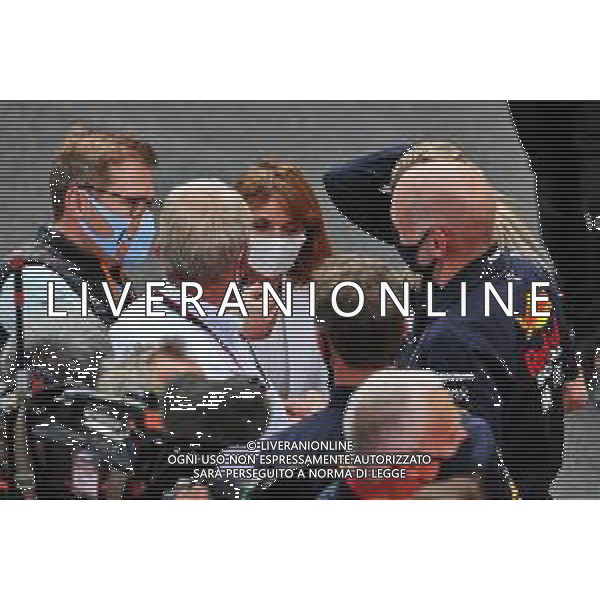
102 190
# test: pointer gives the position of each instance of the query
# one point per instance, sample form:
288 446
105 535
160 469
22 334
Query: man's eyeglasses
133 201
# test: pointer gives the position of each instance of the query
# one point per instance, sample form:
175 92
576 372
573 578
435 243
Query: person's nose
137 212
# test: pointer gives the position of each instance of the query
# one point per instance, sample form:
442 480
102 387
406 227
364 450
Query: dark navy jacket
519 363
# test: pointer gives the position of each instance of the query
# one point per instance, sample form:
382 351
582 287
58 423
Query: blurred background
220 139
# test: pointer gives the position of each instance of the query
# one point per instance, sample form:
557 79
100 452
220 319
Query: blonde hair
510 231
203 228
86 157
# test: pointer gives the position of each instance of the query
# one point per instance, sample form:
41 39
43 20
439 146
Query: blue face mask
139 245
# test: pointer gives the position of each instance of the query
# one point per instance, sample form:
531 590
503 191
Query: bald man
446 211
402 412
451 225
462 230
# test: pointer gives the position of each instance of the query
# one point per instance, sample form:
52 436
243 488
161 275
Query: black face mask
408 252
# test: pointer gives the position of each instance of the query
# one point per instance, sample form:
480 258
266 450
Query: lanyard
196 320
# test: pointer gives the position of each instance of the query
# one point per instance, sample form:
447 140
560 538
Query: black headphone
64 175
59 182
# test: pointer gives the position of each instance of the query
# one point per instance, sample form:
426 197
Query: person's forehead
419 432
275 206
425 403
131 176
435 177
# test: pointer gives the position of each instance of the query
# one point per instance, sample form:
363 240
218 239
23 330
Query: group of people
481 392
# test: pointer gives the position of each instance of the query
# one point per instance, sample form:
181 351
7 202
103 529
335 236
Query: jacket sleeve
480 372
356 190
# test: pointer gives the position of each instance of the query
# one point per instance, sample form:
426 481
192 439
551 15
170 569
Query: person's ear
71 198
450 433
433 247
439 243
69 207
74 200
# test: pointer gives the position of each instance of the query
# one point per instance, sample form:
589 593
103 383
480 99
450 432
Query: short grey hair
203 227
392 401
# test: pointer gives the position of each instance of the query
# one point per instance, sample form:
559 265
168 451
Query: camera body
131 437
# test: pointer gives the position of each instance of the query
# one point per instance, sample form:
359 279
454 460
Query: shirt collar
88 266
482 268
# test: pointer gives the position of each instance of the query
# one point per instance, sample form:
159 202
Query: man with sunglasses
102 188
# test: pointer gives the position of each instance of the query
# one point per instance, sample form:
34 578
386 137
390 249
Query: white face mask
272 255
